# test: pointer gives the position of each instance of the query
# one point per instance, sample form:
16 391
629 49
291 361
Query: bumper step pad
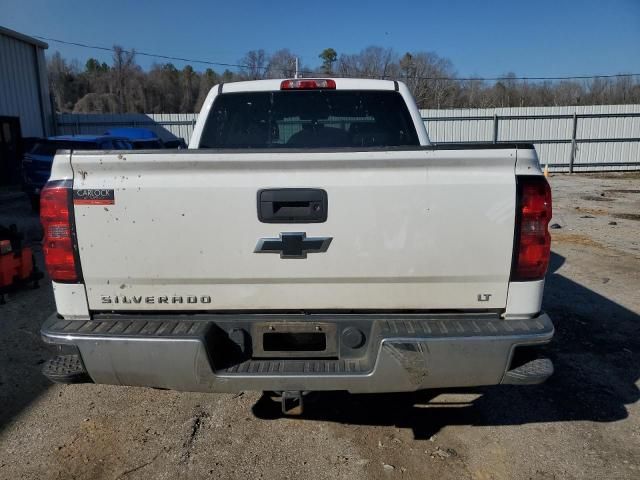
531 373
66 369
297 367
391 326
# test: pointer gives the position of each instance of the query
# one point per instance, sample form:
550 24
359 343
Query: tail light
58 243
533 241
308 84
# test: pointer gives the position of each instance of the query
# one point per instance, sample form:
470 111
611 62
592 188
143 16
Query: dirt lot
583 423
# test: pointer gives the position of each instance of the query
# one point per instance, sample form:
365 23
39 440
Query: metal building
25 105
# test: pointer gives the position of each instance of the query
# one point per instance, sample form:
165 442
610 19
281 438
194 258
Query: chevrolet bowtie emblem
293 245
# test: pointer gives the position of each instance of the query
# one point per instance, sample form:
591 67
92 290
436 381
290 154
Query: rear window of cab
309 119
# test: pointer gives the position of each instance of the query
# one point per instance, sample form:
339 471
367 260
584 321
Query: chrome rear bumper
402 352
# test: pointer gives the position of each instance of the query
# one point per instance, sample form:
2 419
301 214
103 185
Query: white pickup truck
311 239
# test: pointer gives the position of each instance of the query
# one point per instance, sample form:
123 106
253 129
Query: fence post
495 128
573 142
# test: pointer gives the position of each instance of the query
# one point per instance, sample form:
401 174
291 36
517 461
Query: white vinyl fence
584 138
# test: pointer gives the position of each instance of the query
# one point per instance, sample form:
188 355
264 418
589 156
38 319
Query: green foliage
328 57
94 66
169 68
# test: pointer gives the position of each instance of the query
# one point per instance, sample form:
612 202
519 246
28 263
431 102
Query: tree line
124 87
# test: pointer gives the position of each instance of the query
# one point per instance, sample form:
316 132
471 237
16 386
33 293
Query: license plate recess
294 340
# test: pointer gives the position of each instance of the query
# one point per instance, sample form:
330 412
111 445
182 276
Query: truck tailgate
410 229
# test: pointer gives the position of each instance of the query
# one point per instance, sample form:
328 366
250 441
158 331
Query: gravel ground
583 423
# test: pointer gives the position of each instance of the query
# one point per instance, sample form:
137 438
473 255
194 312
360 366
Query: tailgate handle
292 205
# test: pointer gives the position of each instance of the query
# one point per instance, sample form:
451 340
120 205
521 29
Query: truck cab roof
341 84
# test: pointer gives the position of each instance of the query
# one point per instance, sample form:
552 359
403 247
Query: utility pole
296 67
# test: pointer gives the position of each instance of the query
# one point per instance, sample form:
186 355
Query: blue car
140 138
36 164
146 139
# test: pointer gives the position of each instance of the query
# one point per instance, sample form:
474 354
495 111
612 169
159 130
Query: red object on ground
15 266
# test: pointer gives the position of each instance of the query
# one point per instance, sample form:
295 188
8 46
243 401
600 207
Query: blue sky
480 37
